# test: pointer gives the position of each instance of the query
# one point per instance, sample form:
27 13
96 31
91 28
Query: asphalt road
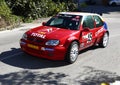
93 66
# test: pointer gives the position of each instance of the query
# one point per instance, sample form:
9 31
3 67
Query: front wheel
73 52
104 41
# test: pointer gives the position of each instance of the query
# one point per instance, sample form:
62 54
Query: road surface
93 66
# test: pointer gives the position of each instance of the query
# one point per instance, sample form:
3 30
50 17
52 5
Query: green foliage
83 5
28 10
4 9
72 6
33 9
6 16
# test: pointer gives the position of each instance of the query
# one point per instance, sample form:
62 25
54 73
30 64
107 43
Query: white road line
11 56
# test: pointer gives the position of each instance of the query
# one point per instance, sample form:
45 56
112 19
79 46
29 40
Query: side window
98 21
88 22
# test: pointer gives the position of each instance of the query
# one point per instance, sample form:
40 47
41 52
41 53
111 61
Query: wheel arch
68 49
74 40
101 44
108 32
70 40
98 40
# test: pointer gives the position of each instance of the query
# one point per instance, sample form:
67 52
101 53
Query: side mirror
43 23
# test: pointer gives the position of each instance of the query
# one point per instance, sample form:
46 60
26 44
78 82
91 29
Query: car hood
47 32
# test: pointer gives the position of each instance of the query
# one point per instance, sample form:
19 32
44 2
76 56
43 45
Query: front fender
70 40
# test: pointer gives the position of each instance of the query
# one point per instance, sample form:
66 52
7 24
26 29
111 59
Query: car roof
78 13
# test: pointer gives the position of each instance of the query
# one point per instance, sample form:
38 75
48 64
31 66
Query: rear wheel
73 51
104 41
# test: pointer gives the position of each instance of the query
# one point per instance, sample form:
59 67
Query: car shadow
15 57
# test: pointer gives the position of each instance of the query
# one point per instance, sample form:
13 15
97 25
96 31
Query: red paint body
37 37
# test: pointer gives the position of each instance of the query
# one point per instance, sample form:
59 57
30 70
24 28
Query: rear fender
98 40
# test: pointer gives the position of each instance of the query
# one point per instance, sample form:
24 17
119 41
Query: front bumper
52 53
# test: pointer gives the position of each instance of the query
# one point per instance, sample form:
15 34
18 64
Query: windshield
65 21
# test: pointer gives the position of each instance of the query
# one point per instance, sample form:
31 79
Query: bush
83 5
6 16
33 9
72 6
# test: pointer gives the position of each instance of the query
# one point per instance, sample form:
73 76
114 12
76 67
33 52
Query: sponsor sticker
88 37
49 30
47 49
42 33
38 35
99 31
74 19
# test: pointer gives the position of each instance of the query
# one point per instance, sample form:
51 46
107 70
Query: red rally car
64 35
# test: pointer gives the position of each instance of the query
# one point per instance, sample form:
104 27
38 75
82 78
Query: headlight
52 42
24 36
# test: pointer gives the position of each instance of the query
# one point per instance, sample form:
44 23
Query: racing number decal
89 37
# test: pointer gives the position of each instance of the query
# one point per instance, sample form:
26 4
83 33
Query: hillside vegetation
12 12
6 17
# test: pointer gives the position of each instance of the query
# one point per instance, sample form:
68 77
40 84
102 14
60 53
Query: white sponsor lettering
99 31
85 36
88 37
38 35
49 29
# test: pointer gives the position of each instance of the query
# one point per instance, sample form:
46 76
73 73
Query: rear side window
98 21
88 22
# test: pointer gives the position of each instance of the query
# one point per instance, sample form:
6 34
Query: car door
99 26
88 32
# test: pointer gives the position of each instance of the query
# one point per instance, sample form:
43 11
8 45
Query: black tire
104 41
72 53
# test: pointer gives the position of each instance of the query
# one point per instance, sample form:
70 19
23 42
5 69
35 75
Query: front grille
33 39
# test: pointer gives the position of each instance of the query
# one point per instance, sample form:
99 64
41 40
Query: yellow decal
33 46
42 32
